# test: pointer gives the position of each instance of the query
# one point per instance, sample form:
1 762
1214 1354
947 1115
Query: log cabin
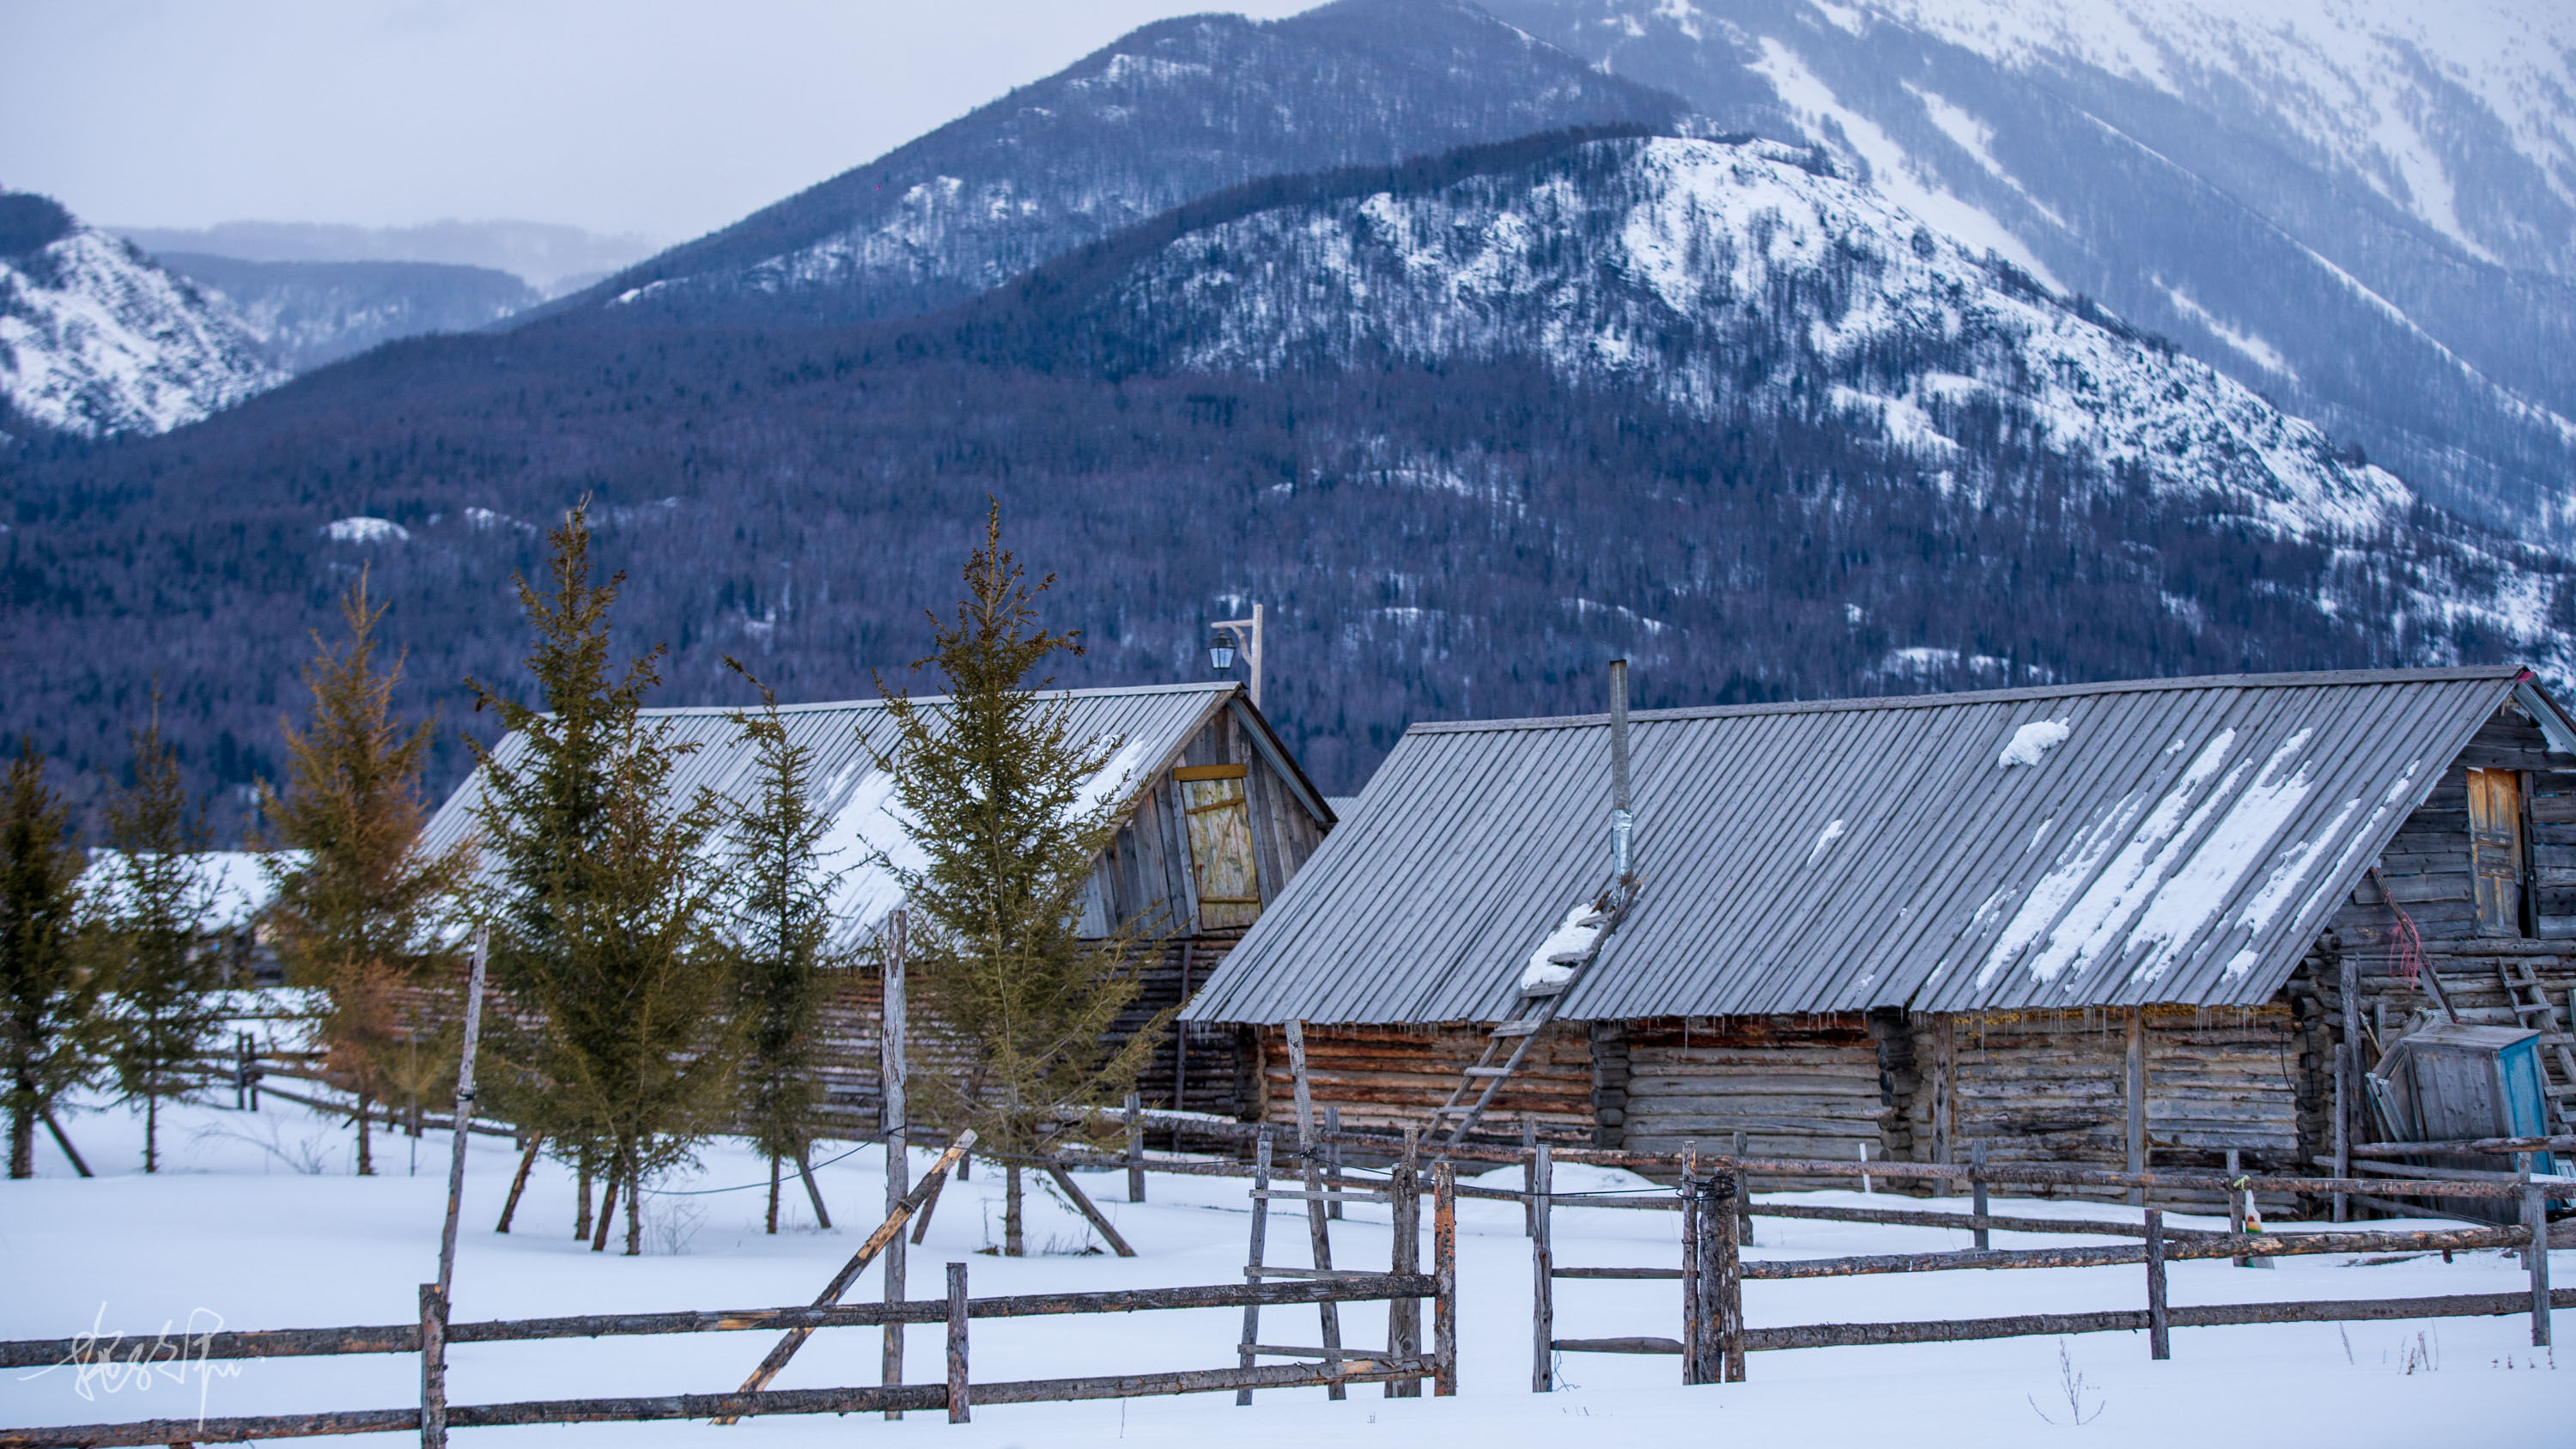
2124 924
1219 818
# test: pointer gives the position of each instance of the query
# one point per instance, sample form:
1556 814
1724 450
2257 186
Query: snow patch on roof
2031 743
1565 948
2218 866
231 886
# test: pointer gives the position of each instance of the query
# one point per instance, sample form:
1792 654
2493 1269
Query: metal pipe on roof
1623 821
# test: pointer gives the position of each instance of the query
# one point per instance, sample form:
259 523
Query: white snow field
237 1234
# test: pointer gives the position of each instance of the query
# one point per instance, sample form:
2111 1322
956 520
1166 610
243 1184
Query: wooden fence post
1444 1280
1977 1189
957 1406
1728 1310
2236 1204
1333 1160
1744 1218
1404 1315
894 1081
1253 1257
2159 1333
1542 1274
433 1367
1529 1175
1181 1042
1135 1147
1694 1243
1319 1235
2535 1216
2342 1125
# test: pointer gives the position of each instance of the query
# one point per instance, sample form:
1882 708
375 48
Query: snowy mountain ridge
95 338
1730 279
1172 111
2385 88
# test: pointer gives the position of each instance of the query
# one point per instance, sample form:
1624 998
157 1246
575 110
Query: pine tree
356 901
782 934
161 1012
1003 802
603 925
48 994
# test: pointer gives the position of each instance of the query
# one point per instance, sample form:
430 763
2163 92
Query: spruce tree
162 1012
48 997
605 904
357 901
998 794
782 936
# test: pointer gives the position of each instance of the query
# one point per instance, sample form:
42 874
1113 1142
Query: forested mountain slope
1467 426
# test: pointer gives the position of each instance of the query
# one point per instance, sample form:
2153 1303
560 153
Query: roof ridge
878 702
2295 679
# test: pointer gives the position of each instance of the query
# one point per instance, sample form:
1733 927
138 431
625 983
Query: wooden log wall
1796 1086
2052 1087
1392 1076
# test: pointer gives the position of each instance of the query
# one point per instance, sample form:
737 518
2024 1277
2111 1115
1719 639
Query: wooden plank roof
2181 840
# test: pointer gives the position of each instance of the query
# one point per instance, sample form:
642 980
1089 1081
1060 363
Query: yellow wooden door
2495 850
1220 826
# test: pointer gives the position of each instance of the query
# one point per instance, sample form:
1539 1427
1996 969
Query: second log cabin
2116 924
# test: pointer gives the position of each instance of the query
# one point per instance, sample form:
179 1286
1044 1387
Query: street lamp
1245 633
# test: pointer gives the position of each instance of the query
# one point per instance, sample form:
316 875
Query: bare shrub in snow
672 1223
2074 1387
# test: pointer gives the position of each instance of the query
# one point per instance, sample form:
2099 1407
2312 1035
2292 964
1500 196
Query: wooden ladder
2530 1002
1508 1045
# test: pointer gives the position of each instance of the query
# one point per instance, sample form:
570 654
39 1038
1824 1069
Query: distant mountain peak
95 338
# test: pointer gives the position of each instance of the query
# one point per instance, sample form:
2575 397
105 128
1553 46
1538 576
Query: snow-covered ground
244 1233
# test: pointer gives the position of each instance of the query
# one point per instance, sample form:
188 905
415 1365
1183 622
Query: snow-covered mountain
95 338
2458 114
2364 209
1169 112
1744 281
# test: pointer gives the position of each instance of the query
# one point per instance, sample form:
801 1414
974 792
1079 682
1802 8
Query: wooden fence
1335 1367
1715 1339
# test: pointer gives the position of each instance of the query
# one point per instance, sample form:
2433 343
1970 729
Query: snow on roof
235 882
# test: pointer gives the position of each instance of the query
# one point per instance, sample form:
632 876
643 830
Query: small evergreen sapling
605 904
782 913
162 1012
1007 808
48 996
357 903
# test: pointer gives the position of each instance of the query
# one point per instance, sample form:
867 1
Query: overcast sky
650 116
